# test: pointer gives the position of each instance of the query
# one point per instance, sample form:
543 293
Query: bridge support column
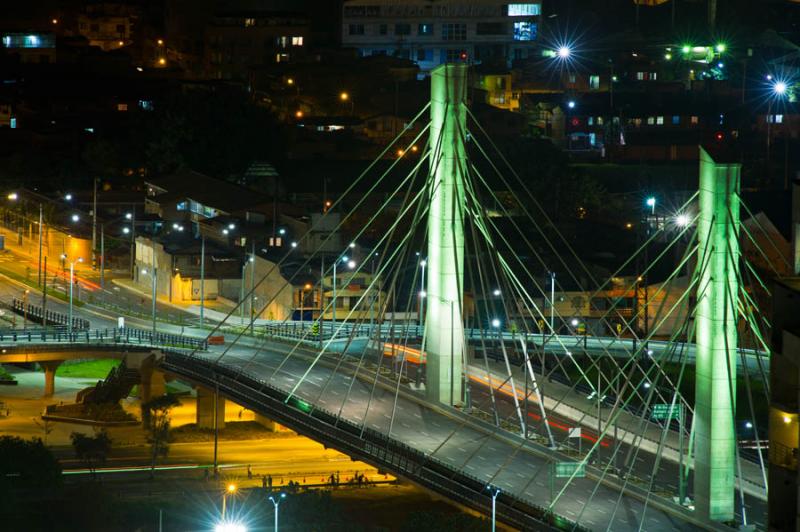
50 368
270 425
205 409
152 384
716 337
444 327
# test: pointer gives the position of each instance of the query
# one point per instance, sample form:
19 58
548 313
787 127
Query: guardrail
46 317
103 337
363 443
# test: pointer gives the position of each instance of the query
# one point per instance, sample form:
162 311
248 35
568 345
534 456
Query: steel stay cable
312 228
277 265
763 230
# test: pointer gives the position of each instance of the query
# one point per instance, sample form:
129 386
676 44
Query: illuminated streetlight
281 231
290 81
686 48
230 527
294 244
748 425
651 202
779 88
574 322
68 197
298 114
721 47
160 42
276 501
75 218
495 323
128 216
344 96
162 61
231 226
682 220
496 292
571 104
352 245
564 52
126 230
13 196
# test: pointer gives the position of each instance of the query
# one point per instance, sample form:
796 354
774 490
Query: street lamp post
494 491
422 292
202 277
71 285
276 502
153 284
350 264
241 289
229 489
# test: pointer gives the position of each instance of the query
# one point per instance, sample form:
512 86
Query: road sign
567 469
663 411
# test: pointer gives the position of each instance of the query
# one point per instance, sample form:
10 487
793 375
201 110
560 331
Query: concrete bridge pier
270 425
50 368
153 384
205 409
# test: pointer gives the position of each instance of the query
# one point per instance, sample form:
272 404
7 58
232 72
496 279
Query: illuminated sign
524 10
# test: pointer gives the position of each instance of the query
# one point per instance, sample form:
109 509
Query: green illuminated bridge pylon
444 326
716 337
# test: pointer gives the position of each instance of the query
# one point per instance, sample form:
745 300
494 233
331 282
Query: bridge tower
444 326
716 338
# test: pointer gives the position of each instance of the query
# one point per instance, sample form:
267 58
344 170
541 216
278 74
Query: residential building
30 47
432 33
242 41
109 26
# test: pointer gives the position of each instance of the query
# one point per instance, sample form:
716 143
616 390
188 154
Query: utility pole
202 277
94 223
41 221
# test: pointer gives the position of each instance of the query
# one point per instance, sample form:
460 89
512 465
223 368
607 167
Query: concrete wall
275 292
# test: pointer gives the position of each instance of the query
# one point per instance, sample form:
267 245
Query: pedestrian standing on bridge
264 481
269 482
249 472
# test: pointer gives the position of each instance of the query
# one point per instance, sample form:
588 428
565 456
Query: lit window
676 120
122 107
281 58
653 76
594 82
694 120
590 121
454 32
778 119
297 41
249 22
524 31
599 120
660 120
640 76
651 120
572 78
425 30
524 10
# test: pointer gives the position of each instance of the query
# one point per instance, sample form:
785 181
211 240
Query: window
640 76
653 76
524 31
454 32
599 120
651 121
490 28
425 30
660 120
676 120
403 54
383 29
637 122
775 119
402 29
297 41
524 10
355 29
590 121
572 79
249 22
424 55
122 107
694 120
594 82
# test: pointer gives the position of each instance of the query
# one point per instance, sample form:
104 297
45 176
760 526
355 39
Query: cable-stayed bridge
485 399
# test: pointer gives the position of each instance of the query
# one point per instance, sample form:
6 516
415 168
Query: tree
157 421
26 464
93 450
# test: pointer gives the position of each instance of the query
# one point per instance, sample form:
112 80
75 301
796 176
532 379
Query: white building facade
433 32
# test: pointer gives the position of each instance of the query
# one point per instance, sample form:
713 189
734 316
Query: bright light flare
682 220
779 88
564 52
495 323
230 527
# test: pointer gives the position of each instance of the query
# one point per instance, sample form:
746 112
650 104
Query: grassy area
5 375
88 369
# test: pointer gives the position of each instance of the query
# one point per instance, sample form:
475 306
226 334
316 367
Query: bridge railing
38 314
362 442
102 337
